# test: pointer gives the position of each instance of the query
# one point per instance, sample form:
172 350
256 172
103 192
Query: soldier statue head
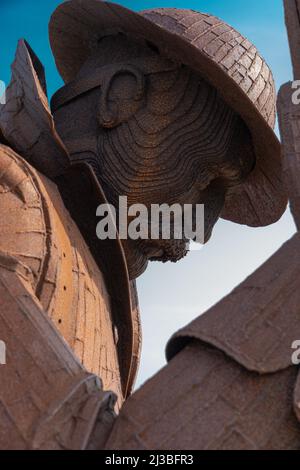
167 106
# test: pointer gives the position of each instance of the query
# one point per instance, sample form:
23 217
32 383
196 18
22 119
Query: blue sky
172 295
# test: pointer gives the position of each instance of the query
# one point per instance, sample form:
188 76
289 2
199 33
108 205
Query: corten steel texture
94 291
230 382
208 147
203 400
26 119
292 18
37 230
258 322
168 137
47 399
289 114
219 53
289 125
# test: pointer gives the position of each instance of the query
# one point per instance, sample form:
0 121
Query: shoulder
204 400
36 228
24 232
257 323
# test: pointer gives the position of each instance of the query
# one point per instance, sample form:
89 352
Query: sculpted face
156 132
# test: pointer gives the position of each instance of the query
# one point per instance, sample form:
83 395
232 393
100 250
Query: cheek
155 170
171 100
170 149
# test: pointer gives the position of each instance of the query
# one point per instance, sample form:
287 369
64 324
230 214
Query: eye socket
243 152
205 178
231 174
240 160
235 173
153 47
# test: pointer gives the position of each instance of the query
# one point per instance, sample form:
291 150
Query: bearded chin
165 250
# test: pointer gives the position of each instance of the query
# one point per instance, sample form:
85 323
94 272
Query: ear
122 94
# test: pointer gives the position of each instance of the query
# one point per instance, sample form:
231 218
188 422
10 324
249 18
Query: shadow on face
163 136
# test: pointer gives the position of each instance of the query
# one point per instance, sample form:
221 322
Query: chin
139 253
166 250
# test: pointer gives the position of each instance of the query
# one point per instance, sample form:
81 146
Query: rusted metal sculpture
231 383
162 106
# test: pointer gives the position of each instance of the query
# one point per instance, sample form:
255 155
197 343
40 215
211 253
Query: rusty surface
289 124
230 382
204 400
68 303
221 55
289 114
258 322
37 230
26 119
39 143
292 19
47 399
